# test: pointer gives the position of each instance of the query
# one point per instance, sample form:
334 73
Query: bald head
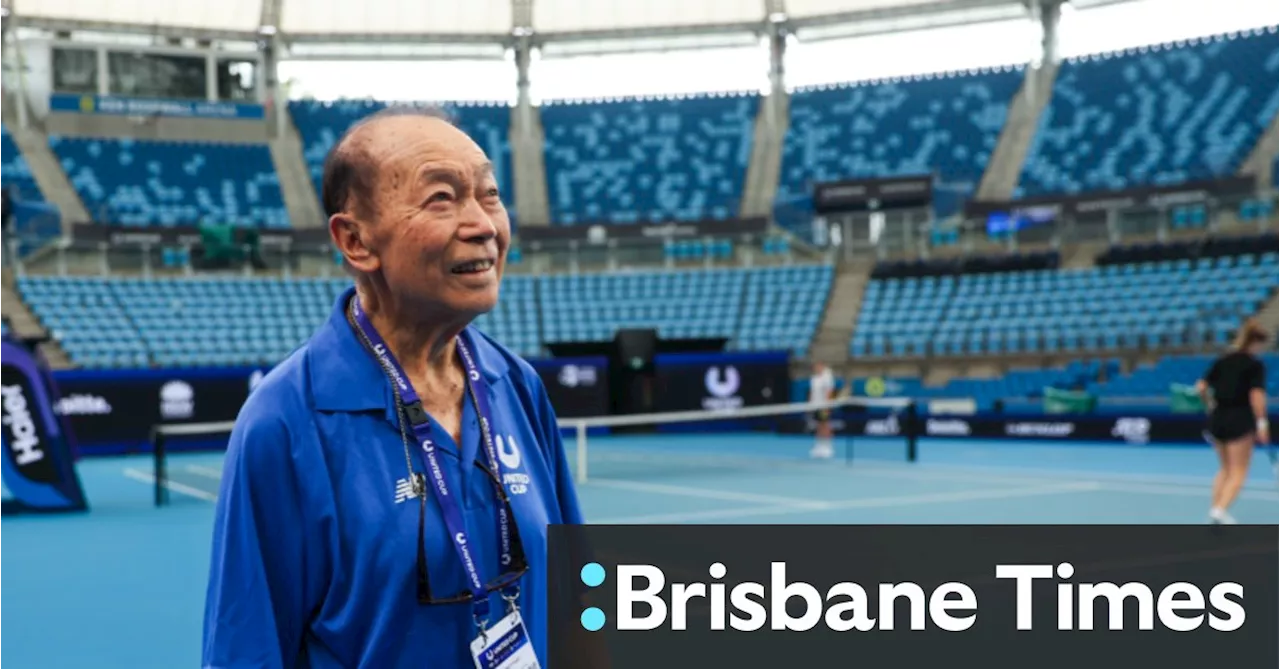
352 166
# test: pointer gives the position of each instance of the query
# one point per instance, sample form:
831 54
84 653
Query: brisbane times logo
647 600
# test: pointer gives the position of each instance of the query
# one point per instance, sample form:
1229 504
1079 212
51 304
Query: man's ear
351 236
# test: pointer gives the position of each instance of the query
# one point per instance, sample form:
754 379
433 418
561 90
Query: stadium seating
642 160
169 183
1154 380
1172 302
945 125
321 124
15 174
757 309
1154 115
132 322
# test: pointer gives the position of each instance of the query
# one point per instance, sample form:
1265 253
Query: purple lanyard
423 429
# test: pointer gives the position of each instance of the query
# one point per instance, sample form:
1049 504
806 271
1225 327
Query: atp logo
509 455
722 386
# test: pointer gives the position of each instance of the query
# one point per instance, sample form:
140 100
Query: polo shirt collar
346 377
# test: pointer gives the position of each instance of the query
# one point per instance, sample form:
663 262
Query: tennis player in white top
822 388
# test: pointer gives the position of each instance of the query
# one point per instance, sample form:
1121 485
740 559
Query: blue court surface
123 586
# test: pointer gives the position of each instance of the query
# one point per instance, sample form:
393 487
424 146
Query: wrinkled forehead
403 146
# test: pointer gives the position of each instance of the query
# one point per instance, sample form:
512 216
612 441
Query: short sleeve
1257 376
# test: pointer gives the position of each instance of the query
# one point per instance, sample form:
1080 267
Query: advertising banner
578 387
873 194
1099 202
113 411
600 234
38 468
719 381
990 596
189 235
107 104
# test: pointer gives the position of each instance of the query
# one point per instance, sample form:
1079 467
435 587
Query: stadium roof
455 21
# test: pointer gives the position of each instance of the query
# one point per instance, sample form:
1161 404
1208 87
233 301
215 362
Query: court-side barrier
114 411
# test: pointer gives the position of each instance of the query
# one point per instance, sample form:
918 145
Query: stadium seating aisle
1154 115
945 125
236 321
1117 306
167 183
14 172
642 160
320 124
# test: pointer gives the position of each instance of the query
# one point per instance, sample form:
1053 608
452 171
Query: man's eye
492 191
441 196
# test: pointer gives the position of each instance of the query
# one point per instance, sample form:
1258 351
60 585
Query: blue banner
38 467
103 104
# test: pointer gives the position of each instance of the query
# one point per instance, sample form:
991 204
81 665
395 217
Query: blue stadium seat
648 160
249 321
942 125
15 174
167 183
1154 115
1112 307
321 124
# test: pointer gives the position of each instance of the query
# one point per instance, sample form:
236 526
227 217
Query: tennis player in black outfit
1234 391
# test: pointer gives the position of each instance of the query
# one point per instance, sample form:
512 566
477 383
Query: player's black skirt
1232 423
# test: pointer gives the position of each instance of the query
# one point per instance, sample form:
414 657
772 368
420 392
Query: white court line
207 472
707 493
171 485
864 503
973 473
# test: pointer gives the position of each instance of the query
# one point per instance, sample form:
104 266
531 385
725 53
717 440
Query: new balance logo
404 490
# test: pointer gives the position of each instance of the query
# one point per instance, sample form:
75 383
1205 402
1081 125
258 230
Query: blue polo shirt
314 546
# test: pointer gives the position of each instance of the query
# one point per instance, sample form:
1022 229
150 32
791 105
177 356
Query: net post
582 450
913 429
158 466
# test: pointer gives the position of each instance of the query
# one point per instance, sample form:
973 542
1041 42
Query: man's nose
475 222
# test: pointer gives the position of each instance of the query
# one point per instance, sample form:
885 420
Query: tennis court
124 585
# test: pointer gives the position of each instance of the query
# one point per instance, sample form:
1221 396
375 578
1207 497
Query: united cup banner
991 597
38 469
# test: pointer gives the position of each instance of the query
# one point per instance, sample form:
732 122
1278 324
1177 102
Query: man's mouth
473 267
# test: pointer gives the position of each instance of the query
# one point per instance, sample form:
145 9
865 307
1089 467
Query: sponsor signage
189 235
38 466
598 234
113 411
120 106
1097 203
719 381
873 194
577 387
1133 429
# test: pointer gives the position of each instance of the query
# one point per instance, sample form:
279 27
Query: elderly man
387 488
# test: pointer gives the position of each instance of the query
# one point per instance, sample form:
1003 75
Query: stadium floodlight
267 31
777 17
521 31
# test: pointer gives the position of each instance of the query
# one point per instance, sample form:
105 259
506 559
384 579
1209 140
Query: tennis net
653 446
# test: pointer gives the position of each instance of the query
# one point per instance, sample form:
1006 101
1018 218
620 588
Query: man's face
440 230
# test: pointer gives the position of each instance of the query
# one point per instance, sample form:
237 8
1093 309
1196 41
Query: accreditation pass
505 646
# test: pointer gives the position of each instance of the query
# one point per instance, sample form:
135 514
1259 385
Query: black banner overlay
873 194
180 235
914 596
1097 203
601 233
